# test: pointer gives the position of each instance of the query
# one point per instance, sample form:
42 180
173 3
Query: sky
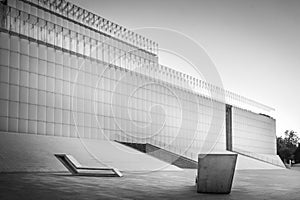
253 44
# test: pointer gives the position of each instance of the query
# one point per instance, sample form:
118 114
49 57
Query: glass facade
68 72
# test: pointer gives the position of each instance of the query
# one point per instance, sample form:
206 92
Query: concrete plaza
248 184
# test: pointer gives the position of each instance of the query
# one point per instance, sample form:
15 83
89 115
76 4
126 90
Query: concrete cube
215 173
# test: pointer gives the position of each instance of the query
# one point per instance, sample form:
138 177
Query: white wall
253 132
46 91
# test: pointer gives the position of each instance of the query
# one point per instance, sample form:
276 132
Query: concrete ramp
164 155
28 153
125 158
244 163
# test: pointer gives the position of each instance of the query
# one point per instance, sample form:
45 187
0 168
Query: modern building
67 74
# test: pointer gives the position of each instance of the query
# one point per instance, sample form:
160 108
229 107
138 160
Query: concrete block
215 173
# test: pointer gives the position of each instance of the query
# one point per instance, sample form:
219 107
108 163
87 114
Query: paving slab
247 184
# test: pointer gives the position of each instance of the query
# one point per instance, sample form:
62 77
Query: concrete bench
77 169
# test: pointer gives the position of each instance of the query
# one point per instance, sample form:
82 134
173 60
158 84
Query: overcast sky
254 44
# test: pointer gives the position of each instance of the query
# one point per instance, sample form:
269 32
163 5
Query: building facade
67 72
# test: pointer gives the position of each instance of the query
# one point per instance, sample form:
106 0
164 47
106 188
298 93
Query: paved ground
296 167
248 184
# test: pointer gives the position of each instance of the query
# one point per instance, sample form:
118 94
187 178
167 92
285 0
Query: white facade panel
24 62
14 44
32 127
4 108
253 132
14 59
4 90
14 76
24 78
4 41
13 125
24 46
4 75
23 111
49 128
4 57
13 93
23 126
41 128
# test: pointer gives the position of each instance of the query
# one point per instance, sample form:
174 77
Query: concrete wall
253 132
